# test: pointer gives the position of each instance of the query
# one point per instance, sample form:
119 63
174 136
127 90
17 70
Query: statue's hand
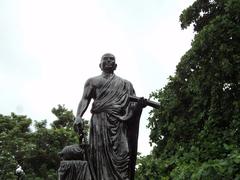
78 125
142 102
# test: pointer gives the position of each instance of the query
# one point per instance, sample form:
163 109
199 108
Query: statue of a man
114 123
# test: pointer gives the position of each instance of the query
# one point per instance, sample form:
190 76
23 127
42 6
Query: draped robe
113 131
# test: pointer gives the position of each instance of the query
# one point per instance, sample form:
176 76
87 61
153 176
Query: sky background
49 48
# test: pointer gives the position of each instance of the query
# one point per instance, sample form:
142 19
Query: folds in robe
113 131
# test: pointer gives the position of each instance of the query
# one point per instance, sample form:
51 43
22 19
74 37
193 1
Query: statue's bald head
108 63
108 55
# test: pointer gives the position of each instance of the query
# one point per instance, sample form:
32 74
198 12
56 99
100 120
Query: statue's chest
101 87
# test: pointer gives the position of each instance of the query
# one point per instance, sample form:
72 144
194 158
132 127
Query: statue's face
108 63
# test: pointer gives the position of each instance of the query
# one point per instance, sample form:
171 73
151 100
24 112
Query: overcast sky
49 48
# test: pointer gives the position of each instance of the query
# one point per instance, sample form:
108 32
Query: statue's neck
107 74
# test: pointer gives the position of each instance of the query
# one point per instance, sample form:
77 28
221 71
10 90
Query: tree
14 132
48 142
36 151
65 117
196 130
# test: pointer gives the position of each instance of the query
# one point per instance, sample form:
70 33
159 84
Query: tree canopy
36 151
196 130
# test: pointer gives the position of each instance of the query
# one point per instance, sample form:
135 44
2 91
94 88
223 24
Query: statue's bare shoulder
95 82
92 86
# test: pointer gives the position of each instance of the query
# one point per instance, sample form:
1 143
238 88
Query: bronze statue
114 123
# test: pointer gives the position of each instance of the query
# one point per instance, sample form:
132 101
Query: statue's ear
115 66
100 65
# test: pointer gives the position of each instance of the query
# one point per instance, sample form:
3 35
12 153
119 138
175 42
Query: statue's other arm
86 98
82 107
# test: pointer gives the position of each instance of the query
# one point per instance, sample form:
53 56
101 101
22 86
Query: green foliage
14 131
196 130
149 168
35 151
65 117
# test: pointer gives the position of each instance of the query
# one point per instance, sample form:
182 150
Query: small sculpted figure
74 165
114 123
72 152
